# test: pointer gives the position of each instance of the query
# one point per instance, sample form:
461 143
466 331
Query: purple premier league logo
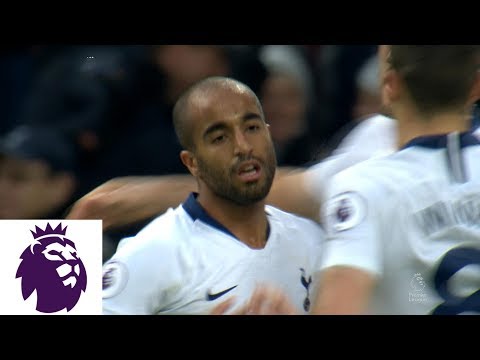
52 267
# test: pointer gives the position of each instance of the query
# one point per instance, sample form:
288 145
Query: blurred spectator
36 174
89 94
338 67
183 65
368 101
115 103
287 97
367 98
19 66
16 74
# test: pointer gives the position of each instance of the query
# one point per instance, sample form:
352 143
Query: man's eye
253 128
218 139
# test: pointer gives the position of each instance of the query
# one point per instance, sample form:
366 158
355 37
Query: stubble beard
221 181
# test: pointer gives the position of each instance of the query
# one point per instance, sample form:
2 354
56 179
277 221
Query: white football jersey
413 220
185 262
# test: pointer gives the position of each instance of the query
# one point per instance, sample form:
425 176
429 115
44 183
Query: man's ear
475 92
391 87
189 160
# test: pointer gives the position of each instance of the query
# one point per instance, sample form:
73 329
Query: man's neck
412 125
248 223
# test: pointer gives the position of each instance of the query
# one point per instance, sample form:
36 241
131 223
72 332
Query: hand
268 300
224 306
265 300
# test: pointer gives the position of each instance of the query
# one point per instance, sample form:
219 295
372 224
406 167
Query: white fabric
171 265
399 218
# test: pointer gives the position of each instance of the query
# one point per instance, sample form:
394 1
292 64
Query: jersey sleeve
352 216
141 277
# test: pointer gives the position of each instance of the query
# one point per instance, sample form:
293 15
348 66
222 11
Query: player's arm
123 201
126 200
344 291
290 193
352 259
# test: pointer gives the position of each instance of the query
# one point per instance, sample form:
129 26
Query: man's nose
242 145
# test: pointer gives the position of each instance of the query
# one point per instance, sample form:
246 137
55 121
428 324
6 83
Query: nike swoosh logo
211 297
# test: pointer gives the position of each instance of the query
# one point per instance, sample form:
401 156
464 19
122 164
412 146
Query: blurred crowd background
73 117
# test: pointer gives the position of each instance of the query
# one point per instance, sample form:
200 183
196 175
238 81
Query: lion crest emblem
417 283
52 268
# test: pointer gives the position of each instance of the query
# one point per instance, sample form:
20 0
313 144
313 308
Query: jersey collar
197 212
440 141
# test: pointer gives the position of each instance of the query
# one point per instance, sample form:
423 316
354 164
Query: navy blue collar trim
440 141
196 212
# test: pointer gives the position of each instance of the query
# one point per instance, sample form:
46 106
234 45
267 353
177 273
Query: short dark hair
438 77
181 111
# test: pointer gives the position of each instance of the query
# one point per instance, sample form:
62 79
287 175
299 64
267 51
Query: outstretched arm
123 201
290 193
126 200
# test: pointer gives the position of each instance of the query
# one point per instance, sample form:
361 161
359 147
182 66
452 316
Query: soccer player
404 230
223 239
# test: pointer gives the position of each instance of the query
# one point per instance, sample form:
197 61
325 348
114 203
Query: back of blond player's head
437 77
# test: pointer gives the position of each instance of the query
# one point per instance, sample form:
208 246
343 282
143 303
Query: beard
221 181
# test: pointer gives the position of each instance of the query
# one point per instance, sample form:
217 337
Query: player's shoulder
374 177
377 123
280 215
163 234
292 220
377 129
476 133
365 170
156 253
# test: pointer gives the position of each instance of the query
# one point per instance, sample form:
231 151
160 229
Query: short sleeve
351 217
140 277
